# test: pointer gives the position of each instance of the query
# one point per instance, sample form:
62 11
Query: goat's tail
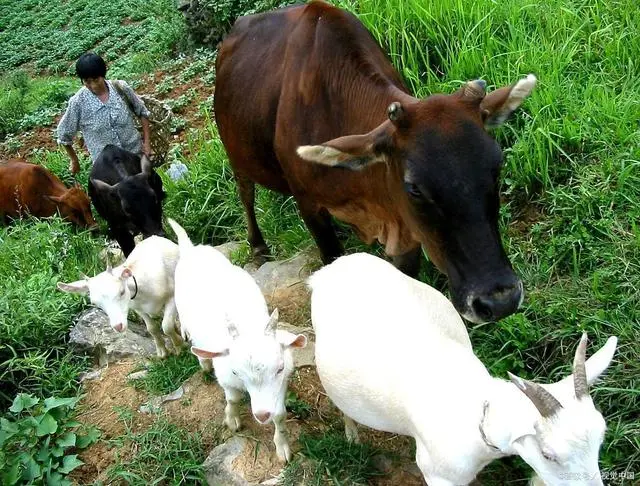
183 239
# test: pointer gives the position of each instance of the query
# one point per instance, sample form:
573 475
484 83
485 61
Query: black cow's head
139 198
445 168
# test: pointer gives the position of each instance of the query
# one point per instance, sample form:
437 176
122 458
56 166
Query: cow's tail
184 242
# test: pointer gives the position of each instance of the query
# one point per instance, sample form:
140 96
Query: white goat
143 283
393 354
224 314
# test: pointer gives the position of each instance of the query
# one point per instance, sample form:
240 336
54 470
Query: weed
298 407
36 439
164 376
161 454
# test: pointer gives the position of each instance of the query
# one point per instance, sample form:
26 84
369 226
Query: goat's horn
579 371
271 326
108 264
84 277
544 401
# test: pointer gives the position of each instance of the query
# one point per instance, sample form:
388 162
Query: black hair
90 65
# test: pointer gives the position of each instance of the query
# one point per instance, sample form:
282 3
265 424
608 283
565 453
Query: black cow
128 193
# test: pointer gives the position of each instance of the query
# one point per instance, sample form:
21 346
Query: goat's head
108 291
263 363
564 444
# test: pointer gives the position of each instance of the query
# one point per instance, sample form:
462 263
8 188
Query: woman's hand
146 147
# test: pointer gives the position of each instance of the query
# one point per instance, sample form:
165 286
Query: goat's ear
496 107
289 339
272 325
126 273
77 287
600 360
201 353
353 152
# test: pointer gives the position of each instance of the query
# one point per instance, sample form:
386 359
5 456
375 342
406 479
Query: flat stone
229 248
218 466
93 335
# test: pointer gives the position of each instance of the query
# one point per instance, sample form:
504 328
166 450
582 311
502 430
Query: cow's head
74 206
447 168
140 204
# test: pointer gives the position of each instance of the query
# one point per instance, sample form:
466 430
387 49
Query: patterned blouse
103 123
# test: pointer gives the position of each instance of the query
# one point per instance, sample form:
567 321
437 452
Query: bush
36 438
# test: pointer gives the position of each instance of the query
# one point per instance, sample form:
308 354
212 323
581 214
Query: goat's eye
549 456
234 372
280 370
412 189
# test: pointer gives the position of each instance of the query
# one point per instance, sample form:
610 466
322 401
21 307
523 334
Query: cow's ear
496 107
102 186
145 165
352 152
56 199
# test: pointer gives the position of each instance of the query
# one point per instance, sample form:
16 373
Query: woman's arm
67 129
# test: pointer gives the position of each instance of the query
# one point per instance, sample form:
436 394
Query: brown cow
310 82
31 189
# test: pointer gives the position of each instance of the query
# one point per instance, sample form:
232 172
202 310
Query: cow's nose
499 303
119 327
262 416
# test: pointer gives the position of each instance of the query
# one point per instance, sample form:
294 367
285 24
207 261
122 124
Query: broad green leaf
43 454
12 476
32 471
69 463
57 451
92 435
47 425
7 426
67 440
51 402
23 401
72 423
56 479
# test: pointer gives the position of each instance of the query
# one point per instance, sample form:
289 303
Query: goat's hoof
233 423
284 453
162 353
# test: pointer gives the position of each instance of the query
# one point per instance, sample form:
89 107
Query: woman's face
95 85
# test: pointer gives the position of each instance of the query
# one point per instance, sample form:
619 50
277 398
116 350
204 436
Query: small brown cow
31 189
309 83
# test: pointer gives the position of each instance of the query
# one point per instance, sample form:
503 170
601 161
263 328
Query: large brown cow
31 189
310 82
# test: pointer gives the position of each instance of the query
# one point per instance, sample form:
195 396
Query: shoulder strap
123 95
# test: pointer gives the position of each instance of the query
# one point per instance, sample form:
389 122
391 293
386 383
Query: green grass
164 376
161 454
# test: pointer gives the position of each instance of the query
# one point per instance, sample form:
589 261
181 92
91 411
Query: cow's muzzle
495 304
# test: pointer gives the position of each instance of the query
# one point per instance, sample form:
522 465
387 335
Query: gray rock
284 274
229 248
155 404
114 253
92 334
218 465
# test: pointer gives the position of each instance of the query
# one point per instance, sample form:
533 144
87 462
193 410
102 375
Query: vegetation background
570 184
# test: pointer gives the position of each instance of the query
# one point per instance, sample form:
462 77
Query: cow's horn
579 370
475 89
544 401
395 111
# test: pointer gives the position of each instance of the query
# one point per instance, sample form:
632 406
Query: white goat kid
225 316
393 354
144 283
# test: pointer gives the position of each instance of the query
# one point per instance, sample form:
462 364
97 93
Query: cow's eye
412 189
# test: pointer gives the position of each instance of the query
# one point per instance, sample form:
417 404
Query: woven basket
159 128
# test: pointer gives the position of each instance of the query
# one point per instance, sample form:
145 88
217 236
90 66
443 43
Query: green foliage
297 406
164 376
34 316
37 438
164 454
48 37
337 461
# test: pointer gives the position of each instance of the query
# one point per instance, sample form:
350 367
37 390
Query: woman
101 113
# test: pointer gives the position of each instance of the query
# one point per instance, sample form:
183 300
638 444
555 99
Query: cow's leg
124 239
323 232
259 248
409 263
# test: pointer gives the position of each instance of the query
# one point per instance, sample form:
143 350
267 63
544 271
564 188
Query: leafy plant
164 376
37 438
298 407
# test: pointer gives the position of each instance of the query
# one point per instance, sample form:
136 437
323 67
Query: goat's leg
231 413
169 326
351 430
426 467
156 334
280 437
